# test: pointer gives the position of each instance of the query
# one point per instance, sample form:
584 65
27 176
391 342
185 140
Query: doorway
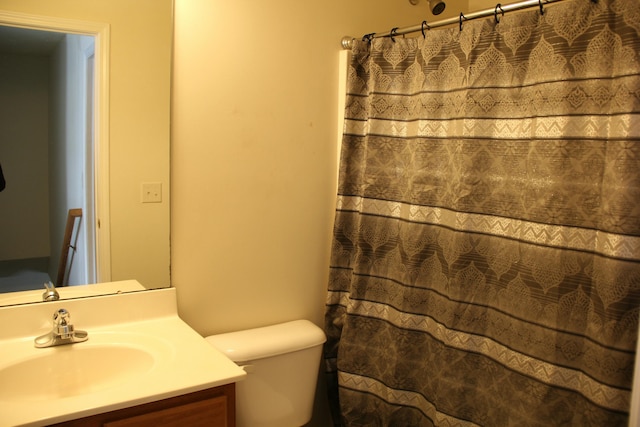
47 154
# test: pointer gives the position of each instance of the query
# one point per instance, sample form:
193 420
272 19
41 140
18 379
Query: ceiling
27 41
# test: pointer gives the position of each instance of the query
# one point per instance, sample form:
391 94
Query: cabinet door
214 407
205 413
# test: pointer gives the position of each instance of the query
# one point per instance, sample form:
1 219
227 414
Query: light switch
151 192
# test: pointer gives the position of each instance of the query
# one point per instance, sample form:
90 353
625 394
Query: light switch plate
151 192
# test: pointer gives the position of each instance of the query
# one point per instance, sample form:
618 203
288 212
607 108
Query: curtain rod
499 10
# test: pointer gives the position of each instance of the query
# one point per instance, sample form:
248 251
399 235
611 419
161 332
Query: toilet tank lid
268 341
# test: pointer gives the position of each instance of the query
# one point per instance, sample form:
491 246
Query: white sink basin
105 361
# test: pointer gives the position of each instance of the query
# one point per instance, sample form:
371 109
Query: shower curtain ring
461 18
495 13
393 33
368 37
541 7
422 27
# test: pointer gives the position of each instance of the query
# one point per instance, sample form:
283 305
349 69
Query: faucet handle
61 323
61 316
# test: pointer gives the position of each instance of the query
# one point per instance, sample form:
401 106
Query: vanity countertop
138 351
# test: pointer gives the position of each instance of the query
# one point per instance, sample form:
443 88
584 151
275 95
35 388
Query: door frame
100 32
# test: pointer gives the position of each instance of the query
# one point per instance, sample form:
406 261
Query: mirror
124 224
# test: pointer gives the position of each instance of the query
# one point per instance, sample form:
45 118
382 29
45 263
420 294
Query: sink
139 351
107 360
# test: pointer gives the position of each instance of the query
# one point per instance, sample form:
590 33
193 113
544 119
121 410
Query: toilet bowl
282 363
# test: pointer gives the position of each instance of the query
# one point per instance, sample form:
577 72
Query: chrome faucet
50 294
62 333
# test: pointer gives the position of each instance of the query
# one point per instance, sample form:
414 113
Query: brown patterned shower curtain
485 267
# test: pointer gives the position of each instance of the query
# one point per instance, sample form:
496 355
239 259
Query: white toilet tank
282 363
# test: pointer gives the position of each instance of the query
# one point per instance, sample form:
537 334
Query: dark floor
23 274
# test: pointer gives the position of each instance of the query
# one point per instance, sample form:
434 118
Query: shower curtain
485 266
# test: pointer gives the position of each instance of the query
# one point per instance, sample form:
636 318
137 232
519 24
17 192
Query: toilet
282 363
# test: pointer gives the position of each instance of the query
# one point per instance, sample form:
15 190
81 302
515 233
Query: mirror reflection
46 129
84 129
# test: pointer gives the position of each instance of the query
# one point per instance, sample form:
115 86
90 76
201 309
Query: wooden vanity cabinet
213 407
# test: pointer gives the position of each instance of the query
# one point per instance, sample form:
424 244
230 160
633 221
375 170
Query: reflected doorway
47 155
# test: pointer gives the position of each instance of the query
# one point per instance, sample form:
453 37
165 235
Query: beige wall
140 70
254 154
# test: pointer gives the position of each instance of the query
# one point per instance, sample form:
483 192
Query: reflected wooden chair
72 217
